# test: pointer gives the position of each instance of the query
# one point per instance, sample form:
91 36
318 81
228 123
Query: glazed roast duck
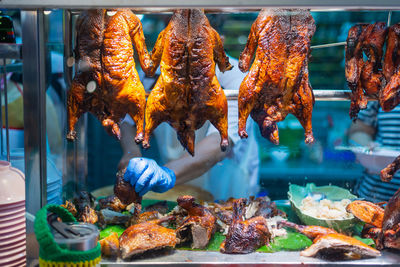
187 93
106 82
277 83
364 78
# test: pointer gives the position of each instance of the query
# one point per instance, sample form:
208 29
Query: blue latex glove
145 175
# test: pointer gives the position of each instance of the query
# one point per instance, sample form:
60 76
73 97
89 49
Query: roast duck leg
187 93
106 82
245 236
199 226
277 83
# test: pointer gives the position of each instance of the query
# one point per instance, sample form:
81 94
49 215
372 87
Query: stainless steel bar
328 45
6 110
34 81
314 4
68 64
12 51
1 122
320 95
166 10
389 20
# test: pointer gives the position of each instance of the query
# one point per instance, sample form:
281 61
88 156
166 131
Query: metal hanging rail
319 94
313 4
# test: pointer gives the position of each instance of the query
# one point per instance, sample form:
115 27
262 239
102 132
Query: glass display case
42 62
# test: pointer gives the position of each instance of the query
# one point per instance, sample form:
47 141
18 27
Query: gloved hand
145 175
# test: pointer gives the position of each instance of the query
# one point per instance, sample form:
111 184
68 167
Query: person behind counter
375 128
233 173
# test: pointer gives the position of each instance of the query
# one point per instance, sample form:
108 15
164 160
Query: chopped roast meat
367 212
110 246
161 207
110 217
245 236
338 246
88 215
106 82
391 222
113 203
311 231
146 236
125 191
199 226
84 204
187 93
148 216
70 207
277 83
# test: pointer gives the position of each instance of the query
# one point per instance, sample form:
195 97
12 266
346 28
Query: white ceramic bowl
374 161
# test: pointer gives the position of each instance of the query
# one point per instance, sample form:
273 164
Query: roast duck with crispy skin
187 93
390 95
364 78
146 236
106 82
277 83
327 243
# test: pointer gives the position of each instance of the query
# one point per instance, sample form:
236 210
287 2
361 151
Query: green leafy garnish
367 241
110 229
291 242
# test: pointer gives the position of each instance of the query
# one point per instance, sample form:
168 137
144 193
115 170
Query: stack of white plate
54 176
12 216
12 234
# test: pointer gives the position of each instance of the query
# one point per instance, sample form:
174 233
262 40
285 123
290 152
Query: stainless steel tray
197 258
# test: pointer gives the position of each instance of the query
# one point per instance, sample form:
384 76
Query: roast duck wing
199 226
277 83
364 78
245 236
106 82
187 93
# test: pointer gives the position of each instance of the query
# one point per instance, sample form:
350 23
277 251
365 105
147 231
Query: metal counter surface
183 257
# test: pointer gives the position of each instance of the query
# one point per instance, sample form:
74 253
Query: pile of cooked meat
247 223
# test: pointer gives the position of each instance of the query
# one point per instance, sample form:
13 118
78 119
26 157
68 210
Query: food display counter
57 170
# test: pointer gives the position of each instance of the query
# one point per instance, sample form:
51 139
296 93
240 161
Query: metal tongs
62 228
